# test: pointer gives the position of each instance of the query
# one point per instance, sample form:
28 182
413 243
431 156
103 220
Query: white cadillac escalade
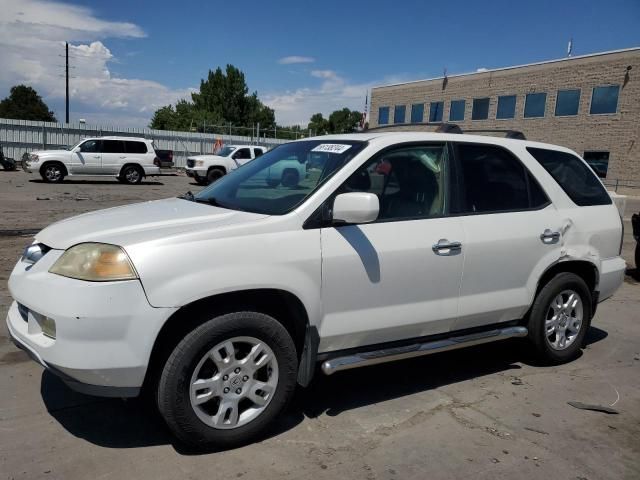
394 245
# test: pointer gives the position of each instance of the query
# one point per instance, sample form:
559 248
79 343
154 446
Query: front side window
480 109
494 180
90 146
417 113
282 178
383 115
576 179
409 182
534 105
456 111
242 154
599 161
567 103
399 114
113 146
435 111
506 107
605 99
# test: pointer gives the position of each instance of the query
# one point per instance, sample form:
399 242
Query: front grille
24 312
191 163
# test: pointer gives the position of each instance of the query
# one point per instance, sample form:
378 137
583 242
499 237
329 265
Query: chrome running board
418 349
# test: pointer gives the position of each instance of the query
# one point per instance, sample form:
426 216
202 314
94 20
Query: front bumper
193 173
29 167
104 331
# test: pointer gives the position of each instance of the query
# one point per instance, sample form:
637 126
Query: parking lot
484 412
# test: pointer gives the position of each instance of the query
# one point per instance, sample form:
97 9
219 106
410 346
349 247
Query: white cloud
295 59
32 36
335 92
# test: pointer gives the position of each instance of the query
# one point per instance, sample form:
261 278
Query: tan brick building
589 103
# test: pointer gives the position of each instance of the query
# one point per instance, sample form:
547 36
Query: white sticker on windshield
331 148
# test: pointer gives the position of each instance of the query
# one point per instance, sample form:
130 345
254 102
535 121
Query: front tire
215 174
53 172
560 317
227 381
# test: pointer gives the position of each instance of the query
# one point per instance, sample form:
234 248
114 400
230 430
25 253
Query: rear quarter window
135 147
574 176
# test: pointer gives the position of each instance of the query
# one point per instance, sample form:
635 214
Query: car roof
401 137
138 139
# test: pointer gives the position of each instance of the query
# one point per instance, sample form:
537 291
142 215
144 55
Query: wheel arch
60 162
132 164
218 167
282 305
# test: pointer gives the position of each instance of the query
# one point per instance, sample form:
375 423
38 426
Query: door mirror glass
355 208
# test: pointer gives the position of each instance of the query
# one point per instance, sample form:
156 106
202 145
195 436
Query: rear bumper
611 276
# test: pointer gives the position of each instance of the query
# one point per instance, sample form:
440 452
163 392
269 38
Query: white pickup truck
206 169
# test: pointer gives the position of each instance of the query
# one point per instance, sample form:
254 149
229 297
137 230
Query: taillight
171 156
156 162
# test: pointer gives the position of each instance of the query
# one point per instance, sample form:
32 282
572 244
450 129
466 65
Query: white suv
395 245
126 158
206 169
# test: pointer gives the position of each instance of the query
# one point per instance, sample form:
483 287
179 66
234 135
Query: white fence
20 136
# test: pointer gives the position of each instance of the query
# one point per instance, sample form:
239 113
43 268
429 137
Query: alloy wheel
564 319
234 382
53 173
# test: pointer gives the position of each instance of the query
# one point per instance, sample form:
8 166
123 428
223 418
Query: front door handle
445 247
549 237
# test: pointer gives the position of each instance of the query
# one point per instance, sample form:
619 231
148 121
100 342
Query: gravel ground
486 412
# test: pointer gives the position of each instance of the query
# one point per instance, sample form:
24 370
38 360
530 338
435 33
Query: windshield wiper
187 196
209 201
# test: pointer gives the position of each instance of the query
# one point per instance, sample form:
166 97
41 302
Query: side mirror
356 207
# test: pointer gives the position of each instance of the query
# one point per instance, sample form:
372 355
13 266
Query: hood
41 153
140 222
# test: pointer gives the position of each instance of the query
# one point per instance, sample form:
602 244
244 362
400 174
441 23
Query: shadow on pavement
117 423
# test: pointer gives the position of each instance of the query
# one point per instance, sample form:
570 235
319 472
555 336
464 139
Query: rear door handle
550 237
445 247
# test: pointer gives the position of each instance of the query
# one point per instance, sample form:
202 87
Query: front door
87 158
398 277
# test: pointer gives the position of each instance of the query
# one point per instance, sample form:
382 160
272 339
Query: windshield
226 151
282 178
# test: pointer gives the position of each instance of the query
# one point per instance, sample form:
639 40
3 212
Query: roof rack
518 135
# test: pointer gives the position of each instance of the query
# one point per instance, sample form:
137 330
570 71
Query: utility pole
66 48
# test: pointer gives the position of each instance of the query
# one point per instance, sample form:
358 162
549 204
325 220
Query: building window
605 99
456 112
567 103
383 115
534 105
599 161
506 106
417 113
435 111
399 113
480 109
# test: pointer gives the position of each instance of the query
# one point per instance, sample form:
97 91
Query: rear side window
112 146
257 152
576 179
135 147
491 179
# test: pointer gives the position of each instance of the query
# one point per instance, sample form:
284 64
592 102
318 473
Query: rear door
398 277
113 156
137 152
511 229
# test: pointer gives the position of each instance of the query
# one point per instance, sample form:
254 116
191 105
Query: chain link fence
20 136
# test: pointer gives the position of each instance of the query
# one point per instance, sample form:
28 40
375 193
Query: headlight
199 163
96 262
33 157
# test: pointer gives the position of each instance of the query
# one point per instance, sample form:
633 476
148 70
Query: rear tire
132 174
559 318
53 172
215 174
210 397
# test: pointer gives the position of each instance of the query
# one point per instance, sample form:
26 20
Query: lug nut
226 390
237 370
225 378
239 391
245 378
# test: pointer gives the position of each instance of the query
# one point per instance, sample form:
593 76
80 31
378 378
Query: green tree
344 121
319 124
223 98
24 103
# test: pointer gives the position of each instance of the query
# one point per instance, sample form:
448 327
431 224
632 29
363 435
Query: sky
131 57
